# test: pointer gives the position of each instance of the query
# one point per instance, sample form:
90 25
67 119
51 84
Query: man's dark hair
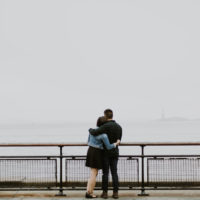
108 113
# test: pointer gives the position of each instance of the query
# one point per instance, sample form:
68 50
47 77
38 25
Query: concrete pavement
125 195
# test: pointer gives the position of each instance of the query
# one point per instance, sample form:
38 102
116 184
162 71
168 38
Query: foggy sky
69 60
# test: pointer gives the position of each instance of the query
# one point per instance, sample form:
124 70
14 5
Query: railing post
61 174
142 170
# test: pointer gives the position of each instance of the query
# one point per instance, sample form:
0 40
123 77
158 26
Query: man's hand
90 130
117 143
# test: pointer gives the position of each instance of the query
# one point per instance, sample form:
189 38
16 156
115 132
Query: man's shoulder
113 123
110 123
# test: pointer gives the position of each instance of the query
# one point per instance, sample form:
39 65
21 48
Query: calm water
152 131
149 131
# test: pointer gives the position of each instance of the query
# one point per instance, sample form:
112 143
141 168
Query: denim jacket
98 141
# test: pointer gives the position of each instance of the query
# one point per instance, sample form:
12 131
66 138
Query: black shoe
89 196
104 195
115 195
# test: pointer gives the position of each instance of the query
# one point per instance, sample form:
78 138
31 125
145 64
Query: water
149 131
146 131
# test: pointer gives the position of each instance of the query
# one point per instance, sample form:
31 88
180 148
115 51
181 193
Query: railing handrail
140 158
84 144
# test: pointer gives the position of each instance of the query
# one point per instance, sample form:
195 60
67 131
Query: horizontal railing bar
139 188
52 156
82 156
29 189
99 188
173 188
84 144
158 156
30 156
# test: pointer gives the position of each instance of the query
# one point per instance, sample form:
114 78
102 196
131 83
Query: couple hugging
103 154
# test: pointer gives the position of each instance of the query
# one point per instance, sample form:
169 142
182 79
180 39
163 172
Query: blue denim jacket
99 140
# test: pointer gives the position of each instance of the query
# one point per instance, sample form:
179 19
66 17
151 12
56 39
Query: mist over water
141 131
69 60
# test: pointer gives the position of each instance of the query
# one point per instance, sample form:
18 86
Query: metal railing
64 172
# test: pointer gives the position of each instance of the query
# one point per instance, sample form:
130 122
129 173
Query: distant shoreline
176 119
72 123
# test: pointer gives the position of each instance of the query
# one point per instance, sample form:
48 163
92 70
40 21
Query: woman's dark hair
101 120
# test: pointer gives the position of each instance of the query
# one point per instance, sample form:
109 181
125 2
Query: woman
94 156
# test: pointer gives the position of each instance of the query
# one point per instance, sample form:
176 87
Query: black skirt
94 158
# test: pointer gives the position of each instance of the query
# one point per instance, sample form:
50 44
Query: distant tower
163 114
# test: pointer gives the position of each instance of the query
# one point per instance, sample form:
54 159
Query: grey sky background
69 60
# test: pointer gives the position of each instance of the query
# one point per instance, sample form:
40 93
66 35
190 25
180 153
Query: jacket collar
110 121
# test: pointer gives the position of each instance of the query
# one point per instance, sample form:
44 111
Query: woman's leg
92 180
95 173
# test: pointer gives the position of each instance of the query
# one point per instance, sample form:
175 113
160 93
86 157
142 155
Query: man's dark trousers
112 164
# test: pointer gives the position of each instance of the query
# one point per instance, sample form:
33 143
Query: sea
77 132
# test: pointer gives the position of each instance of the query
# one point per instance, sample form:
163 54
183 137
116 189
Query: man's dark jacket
111 128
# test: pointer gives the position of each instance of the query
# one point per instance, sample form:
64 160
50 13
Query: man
110 158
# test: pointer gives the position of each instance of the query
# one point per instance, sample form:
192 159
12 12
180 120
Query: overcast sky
63 60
